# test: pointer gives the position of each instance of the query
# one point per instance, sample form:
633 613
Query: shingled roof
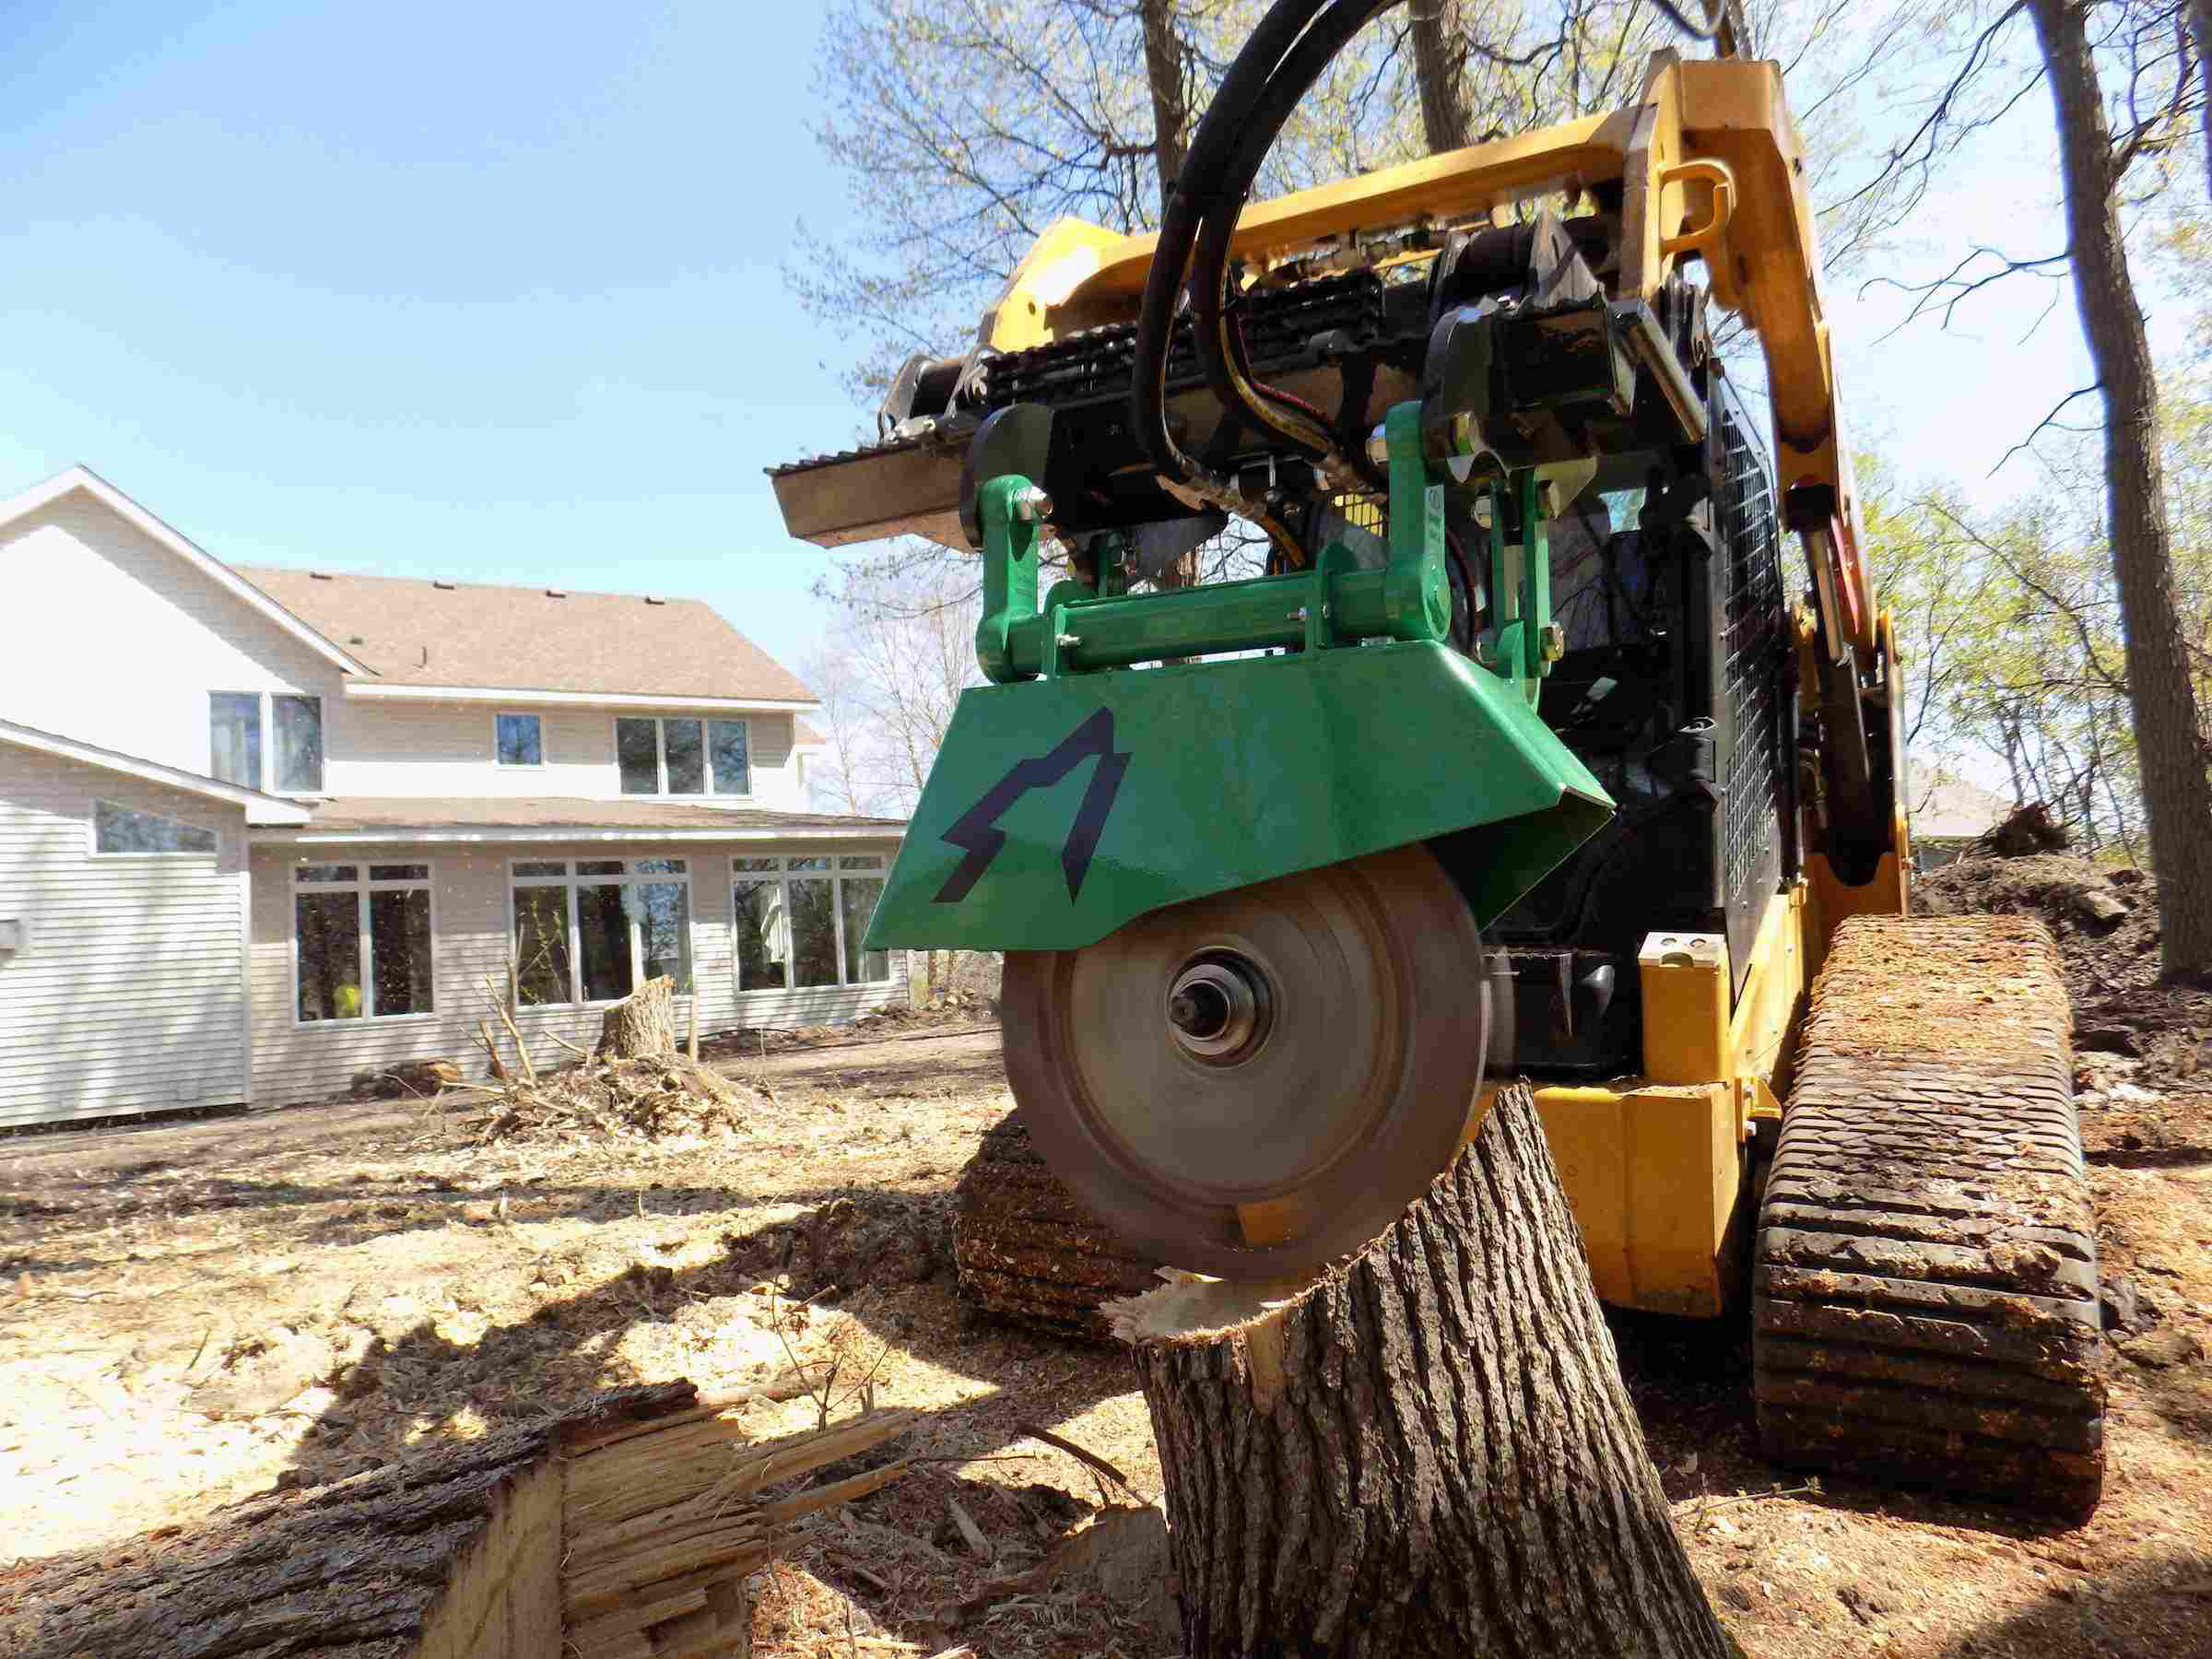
1950 808
519 639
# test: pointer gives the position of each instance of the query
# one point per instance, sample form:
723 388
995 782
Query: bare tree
2171 736
2200 36
1167 58
890 675
1440 62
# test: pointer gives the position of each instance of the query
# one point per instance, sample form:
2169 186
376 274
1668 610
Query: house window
361 941
299 733
594 929
729 746
234 737
800 921
127 830
520 741
294 756
683 756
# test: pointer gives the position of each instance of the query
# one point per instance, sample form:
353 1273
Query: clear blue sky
494 291
486 290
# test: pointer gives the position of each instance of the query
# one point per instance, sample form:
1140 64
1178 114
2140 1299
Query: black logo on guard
978 833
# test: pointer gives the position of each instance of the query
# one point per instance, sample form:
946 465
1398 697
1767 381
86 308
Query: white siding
295 1062
410 748
165 636
379 747
129 995
168 636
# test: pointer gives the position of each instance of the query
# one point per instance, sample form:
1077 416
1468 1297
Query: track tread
1925 1300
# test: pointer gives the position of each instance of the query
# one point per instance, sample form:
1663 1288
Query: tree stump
642 1024
1426 1452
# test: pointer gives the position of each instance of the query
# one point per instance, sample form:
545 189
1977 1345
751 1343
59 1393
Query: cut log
409 1080
642 1024
1025 1248
1426 1452
627 1528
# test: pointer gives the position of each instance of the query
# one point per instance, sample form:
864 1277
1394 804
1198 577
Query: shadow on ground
884 1259
2162 1605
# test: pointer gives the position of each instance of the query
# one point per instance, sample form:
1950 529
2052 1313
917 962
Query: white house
1948 814
262 829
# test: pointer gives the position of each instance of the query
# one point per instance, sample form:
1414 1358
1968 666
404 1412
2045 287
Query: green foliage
2008 622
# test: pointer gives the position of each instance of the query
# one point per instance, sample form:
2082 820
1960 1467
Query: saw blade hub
1220 1007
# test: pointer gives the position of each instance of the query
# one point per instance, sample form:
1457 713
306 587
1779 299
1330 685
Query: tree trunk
2200 35
2170 742
1170 106
620 1530
1436 68
1427 1452
643 1024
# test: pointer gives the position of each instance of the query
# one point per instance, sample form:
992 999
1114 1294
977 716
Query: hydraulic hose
1221 351
1274 69
1195 193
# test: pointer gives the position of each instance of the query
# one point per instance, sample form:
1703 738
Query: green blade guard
1076 795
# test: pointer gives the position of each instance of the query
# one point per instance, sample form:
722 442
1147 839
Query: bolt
1296 615
1555 642
1199 1010
1067 641
1032 503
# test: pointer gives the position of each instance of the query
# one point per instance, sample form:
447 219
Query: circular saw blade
1254 1084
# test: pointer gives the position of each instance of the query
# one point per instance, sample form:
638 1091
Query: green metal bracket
1523 644
1009 508
1418 601
1061 808
1111 550
1080 628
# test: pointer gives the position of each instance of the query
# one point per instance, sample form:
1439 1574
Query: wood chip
973 1534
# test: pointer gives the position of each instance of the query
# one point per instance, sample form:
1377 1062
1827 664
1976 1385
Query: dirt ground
195 1312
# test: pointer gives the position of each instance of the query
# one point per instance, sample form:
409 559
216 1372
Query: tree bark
1027 1250
1437 61
1427 1452
1171 104
2171 741
643 1024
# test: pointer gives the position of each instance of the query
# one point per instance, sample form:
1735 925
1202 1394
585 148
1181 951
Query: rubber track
1027 1251
1925 1306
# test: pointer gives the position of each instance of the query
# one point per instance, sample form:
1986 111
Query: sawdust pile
651 1097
